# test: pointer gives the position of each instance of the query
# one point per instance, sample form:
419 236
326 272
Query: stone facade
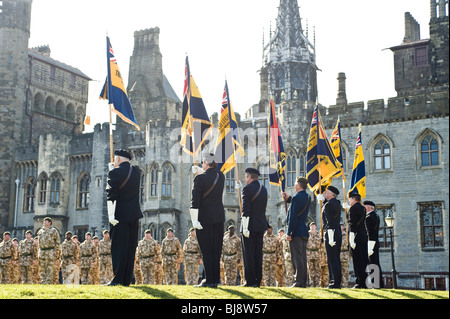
62 171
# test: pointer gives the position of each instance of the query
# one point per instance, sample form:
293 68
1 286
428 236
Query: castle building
50 167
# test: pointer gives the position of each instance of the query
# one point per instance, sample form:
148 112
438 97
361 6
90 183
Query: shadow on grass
434 295
406 294
284 293
237 293
155 293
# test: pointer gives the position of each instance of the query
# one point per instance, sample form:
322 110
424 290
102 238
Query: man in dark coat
331 215
208 217
358 239
372 223
253 225
124 212
297 234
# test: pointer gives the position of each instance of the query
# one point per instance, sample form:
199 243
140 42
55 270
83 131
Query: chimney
412 29
341 96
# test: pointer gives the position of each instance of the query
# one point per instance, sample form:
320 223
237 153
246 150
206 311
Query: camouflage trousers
170 269
269 268
26 275
231 269
47 267
280 275
314 272
191 272
106 271
148 269
6 272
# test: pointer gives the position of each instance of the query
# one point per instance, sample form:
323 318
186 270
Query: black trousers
334 261
298 254
360 261
252 250
375 259
210 240
124 240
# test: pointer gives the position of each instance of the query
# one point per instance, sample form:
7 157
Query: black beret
123 153
252 170
351 195
370 203
333 189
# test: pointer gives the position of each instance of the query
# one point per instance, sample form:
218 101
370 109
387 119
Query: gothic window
291 164
166 187
279 78
264 177
229 181
55 188
83 190
43 179
383 231
431 224
154 181
30 195
142 188
302 163
429 151
382 155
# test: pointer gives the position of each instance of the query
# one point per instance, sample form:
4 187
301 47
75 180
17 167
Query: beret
333 189
169 229
368 202
29 232
252 170
88 234
350 195
123 153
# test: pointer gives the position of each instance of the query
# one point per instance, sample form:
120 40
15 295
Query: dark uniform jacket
256 210
372 224
127 198
357 214
332 215
210 208
297 224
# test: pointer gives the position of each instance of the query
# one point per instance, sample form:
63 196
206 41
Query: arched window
154 181
30 195
264 177
166 187
382 155
429 151
55 188
229 181
83 190
302 171
43 178
291 165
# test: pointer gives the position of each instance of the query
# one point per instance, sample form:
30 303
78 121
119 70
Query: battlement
15 14
145 39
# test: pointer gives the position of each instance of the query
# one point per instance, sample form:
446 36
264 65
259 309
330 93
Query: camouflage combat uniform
312 253
345 260
324 274
7 253
231 253
88 256
271 255
49 248
280 273
192 259
172 256
288 265
70 253
28 258
105 261
148 252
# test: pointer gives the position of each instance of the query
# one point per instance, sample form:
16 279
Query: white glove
352 240
345 206
110 166
111 211
197 170
194 217
238 185
245 230
331 241
320 198
370 247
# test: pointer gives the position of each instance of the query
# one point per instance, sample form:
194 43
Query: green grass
189 292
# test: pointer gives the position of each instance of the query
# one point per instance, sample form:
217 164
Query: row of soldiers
40 259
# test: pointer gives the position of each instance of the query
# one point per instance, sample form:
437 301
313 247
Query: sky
224 40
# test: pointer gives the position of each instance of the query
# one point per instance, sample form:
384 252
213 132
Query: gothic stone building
49 167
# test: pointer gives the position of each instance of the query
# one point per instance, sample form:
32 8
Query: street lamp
390 224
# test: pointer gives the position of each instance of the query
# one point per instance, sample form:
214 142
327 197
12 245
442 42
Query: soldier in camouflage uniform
16 264
323 263
312 253
7 253
288 265
192 258
172 256
96 266
148 252
105 261
27 257
138 278
272 251
345 258
231 256
36 269
158 272
70 253
88 256
280 273
57 266
49 250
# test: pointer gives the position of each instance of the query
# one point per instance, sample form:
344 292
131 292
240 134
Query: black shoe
297 286
203 284
113 284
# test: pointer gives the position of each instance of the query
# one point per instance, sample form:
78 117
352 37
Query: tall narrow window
431 224
264 177
429 150
30 194
421 56
229 181
382 155
55 188
383 231
291 164
302 171
166 187
83 191
43 188
154 181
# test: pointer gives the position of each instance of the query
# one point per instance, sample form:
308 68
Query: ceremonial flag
321 164
228 139
335 143
114 89
277 156
358 181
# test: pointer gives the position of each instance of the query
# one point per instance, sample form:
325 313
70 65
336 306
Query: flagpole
111 151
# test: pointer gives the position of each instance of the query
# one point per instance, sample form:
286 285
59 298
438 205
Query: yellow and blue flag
114 89
195 121
358 181
321 164
335 143
277 155
228 139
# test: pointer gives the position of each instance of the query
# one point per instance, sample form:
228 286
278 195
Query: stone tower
290 58
15 16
